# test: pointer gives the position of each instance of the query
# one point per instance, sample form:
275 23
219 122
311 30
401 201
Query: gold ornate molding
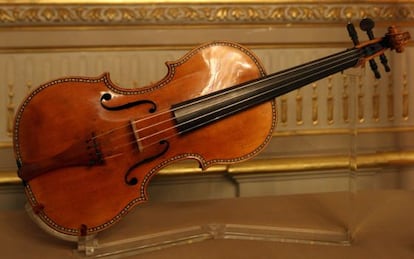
160 13
277 165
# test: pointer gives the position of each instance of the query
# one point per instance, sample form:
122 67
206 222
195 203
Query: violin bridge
136 135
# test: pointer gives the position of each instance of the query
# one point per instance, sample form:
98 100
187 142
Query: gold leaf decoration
184 14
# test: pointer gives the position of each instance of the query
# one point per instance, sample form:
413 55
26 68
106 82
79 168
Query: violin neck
204 110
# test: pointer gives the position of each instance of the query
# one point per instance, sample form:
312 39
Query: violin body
85 147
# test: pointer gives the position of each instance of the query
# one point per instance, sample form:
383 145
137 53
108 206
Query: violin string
357 56
233 104
261 80
230 90
244 100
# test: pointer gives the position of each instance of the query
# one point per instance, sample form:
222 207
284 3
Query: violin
86 149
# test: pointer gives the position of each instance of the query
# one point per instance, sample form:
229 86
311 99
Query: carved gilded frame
20 13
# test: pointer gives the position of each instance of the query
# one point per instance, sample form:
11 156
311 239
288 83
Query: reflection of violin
86 149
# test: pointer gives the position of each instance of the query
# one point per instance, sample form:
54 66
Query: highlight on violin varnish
86 149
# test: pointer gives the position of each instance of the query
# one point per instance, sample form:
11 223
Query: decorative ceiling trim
201 13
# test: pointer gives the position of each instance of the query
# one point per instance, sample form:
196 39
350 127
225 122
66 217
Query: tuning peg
352 33
374 68
367 25
384 62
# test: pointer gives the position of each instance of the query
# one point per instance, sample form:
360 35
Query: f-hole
134 181
107 97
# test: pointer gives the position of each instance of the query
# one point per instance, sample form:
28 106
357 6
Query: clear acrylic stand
142 232
319 219
90 247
